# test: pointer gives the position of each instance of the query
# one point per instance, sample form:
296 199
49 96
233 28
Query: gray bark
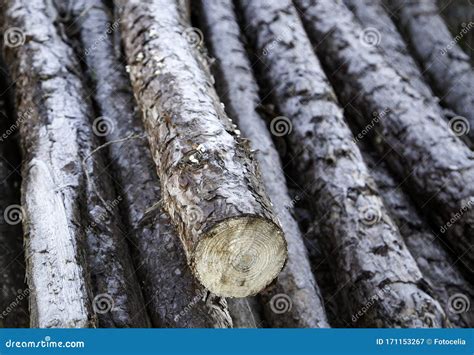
377 23
175 299
374 18
434 165
210 182
438 267
52 139
443 61
296 281
380 281
13 291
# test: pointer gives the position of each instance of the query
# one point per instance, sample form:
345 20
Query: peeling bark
380 281
443 61
437 266
52 140
434 165
13 291
241 99
117 301
210 183
175 298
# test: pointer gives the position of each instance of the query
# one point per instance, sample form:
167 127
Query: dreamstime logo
103 126
193 36
14 37
459 303
370 37
13 214
459 125
464 31
195 214
280 303
103 303
281 126
370 215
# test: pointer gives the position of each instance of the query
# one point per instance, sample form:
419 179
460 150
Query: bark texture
175 298
436 167
449 286
378 24
53 140
13 291
443 61
296 283
210 182
376 272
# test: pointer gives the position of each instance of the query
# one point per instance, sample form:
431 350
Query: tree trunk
450 288
380 281
381 32
436 167
443 61
296 282
175 298
210 183
13 291
53 137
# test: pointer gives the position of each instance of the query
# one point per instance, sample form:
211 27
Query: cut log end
240 256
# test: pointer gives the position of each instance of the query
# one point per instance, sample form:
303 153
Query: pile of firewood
167 163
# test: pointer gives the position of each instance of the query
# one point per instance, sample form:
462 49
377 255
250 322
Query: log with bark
174 297
380 31
376 272
13 291
52 187
434 165
449 286
66 195
443 61
296 283
210 182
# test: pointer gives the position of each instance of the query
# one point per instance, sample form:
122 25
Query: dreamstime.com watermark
466 28
12 129
457 216
377 118
43 344
22 295
370 302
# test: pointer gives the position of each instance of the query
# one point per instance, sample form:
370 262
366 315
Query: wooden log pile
155 157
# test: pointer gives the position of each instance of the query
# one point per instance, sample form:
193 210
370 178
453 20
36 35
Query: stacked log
295 291
434 165
210 183
70 230
369 256
175 298
443 61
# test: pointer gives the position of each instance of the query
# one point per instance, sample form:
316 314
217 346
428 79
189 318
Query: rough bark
175 298
443 61
210 182
52 139
438 267
434 165
13 291
376 272
117 301
241 100
378 24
